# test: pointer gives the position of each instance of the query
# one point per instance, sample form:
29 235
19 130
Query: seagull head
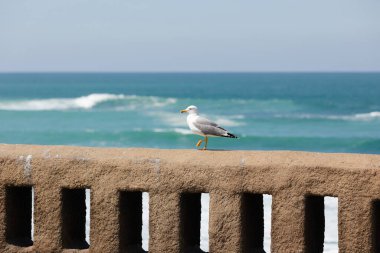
192 109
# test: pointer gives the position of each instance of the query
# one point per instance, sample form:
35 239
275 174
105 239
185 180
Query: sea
322 112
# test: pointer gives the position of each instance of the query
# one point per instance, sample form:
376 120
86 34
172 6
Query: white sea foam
159 130
225 122
145 102
237 116
367 116
176 120
182 131
354 117
170 118
85 102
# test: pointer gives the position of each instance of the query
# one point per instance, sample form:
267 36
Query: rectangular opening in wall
321 224
18 208
145 225
88 210
190 222
314 223
73 215
205 214
331 225
267 221
256 222
376 226
32 232
133 221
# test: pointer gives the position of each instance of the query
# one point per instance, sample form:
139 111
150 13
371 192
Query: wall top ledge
212 158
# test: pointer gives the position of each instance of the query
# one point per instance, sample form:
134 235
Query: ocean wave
176 120
226 122
85 102
367 116
182 131
169 118
354 117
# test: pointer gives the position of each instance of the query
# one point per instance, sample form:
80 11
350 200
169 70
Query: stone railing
55 177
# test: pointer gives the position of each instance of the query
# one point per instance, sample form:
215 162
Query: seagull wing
204 121
208 127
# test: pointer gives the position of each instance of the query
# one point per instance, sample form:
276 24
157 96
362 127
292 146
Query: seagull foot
199 143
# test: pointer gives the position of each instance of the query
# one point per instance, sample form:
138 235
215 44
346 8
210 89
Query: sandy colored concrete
290 177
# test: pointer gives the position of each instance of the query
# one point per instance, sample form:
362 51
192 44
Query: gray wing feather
208 127
204 121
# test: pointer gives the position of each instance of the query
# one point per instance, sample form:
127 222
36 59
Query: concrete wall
235 180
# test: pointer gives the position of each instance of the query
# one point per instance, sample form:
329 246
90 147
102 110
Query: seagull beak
182 111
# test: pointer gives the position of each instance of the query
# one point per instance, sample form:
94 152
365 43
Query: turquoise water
314 112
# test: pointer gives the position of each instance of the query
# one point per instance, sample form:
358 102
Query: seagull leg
206 141
199 143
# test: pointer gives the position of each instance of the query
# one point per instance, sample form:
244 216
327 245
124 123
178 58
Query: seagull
204 127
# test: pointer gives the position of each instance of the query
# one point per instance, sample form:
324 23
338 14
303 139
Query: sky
189 36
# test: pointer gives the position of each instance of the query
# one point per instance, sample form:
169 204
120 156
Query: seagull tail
229 135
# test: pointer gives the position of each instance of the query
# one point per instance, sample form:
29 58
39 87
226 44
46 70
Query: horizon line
194 72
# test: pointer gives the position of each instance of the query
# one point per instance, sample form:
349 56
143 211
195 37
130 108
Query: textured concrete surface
234 179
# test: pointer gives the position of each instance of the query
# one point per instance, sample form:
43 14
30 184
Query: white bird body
203 126
191 118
